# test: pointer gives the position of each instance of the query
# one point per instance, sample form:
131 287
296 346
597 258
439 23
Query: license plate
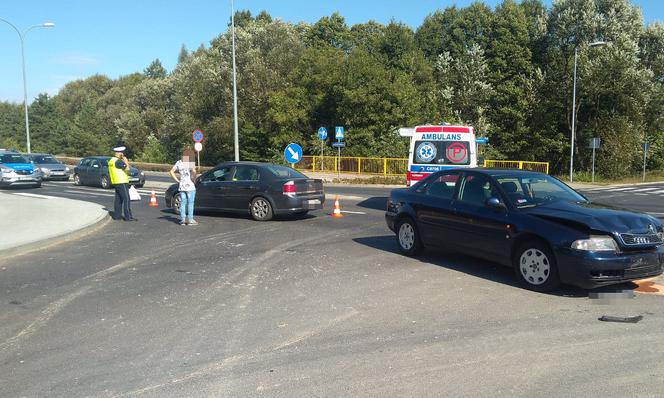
313 202
133 179
57 173
25 178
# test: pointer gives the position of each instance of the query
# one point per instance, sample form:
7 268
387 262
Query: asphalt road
302 308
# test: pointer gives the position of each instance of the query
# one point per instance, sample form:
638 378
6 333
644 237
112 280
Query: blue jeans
187 204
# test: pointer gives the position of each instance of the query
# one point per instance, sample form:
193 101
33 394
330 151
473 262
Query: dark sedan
93 170
548 232
261 189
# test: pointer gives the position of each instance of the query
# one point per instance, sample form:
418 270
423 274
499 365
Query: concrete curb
55 239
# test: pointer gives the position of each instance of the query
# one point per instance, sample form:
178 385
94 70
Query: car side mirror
495 203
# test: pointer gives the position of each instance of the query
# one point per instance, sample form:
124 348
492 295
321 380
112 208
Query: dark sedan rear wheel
408 237
104 182
535 267
261 209
175 203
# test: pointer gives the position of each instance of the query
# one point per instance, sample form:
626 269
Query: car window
532 190
476 189
12 158
220 174
85 162
245 173
442 186
284 172
44 159
95 163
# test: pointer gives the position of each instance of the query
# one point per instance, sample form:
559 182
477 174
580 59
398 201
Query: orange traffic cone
153 200
337 208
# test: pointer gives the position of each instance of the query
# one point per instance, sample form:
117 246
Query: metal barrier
355 165
394 166
542 167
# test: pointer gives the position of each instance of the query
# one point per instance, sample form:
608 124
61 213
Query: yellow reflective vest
118 176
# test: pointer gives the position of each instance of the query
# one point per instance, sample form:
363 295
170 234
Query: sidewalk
31 221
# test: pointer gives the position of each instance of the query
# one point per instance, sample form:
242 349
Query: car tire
261 209
139 186
104 182
175 203
408 237
535 266
77 179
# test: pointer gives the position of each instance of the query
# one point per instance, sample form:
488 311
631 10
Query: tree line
507 71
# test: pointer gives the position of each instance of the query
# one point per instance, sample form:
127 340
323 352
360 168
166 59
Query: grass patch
374 180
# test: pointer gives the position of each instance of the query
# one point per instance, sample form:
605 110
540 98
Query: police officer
118 167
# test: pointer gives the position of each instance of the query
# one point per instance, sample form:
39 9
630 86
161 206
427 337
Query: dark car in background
17 171
49 167
260 189
93 170
548 232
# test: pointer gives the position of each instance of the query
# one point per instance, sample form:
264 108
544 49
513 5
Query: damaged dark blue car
546 231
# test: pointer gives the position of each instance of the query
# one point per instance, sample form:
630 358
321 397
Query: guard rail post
384 166
359 168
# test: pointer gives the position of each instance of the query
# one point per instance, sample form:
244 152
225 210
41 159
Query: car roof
97 157
234 163
504 172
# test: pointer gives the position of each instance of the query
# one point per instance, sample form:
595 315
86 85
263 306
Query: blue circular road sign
293 153
197 135
322 133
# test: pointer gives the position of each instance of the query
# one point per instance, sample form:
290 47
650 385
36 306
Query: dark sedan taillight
289 188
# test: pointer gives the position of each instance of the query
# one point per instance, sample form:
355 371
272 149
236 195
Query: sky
119 37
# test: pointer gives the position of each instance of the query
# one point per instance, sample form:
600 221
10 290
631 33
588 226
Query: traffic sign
198 147
293 153
645 146
481 140
339 132
197 135
322 133
595 142
338 144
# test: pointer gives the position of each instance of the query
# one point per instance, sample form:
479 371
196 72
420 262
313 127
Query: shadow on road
472 266
375 203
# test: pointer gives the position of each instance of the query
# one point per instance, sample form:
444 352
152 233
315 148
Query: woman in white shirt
187 190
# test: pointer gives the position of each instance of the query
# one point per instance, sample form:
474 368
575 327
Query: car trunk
304 188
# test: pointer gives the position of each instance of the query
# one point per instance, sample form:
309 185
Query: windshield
44 159
284 172
441 152
525 191
12 158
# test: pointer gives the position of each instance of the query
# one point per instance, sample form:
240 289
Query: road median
31 221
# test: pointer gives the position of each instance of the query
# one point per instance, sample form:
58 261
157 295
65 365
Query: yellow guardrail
542 167
394 166
355 165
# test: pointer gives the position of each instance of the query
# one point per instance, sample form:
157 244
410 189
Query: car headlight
599 243
66 169
142 173
6 170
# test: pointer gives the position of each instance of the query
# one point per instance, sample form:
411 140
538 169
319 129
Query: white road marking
34 195
353 212
89 193
645 189
344 197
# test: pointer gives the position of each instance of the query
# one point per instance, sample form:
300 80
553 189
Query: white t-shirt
184 169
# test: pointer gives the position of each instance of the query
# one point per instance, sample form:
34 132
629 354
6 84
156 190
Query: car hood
595 216
19 166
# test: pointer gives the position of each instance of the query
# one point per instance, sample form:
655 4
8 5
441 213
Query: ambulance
434 148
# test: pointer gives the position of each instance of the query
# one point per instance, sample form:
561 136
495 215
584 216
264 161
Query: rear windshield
441 152
284 172
44 159
12 158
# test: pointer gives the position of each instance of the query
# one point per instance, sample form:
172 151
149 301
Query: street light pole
571 154
21 36
235 129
